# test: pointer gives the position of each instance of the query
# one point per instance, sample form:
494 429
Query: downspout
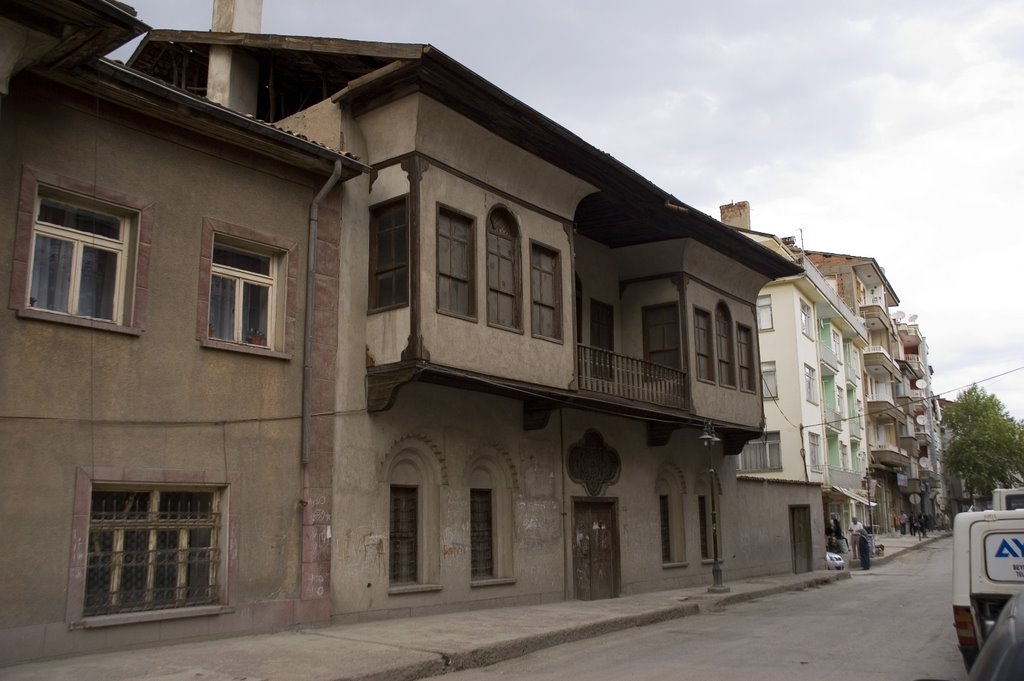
307 350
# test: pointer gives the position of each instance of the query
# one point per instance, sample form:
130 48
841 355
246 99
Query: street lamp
709 438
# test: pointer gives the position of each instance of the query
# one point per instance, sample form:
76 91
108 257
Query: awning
860 499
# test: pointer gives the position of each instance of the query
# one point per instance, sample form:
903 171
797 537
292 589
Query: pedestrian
856 532
864 547
923 522
903 522
913 524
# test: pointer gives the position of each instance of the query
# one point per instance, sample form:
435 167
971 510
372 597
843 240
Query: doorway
800 538
595 550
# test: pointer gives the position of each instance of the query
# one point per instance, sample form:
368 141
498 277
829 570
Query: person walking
923 522
856 531
903 522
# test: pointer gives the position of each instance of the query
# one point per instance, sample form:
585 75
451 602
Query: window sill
84 322
502 327
457 315
244 349
672 566
549 339
387 308
149 616
413 589
493 581
708 561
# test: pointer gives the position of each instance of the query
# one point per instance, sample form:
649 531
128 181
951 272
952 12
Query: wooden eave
82 30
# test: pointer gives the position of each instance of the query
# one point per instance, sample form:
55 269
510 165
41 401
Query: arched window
503 270
669 489
490 521
724 346
413 534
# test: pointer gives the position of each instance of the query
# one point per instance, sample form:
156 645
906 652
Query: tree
986 447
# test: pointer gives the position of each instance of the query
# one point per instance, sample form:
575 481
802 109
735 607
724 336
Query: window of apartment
246 290
242 292
545 292
455 264
503 282
764 313
666 534
602 325
814 451
389 256
811 384
80 254
844 456
769 380
806 322
837 344
763 454
745 350
481 534
152 549
702 344
79 258
661 335
723 349
403 531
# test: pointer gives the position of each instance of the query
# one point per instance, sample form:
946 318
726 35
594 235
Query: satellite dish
921 420
913 318
924 463
900 314
920 384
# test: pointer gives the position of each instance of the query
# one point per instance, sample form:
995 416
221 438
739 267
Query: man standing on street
856 529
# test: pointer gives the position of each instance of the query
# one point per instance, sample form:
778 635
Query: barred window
481 530
666 535
152 549
403 564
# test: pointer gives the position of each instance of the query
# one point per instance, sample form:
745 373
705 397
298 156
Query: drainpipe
307 351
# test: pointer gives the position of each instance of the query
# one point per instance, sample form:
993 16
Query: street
893 622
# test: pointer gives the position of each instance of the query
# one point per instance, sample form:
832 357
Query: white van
988 568
1008 499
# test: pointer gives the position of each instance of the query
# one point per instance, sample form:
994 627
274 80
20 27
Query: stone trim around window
286 303
135 302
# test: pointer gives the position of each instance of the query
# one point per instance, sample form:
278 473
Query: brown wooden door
800 538
595 550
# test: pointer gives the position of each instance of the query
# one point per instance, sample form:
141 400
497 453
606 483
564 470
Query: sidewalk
419 647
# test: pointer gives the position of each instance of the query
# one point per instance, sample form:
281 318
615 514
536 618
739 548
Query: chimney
233 76
736 215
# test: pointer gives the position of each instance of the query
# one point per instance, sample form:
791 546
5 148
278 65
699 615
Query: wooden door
595 550
800 538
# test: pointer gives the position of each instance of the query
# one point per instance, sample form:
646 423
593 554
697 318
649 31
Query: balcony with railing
605 372
829 358
888 454
876 355
856 431
833 419
853 372
915 364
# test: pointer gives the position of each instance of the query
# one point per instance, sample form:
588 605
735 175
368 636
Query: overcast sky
886 129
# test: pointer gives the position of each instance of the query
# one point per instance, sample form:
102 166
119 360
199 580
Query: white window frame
765 321
806 320
80 240
241 277
769 385
811 383
814 451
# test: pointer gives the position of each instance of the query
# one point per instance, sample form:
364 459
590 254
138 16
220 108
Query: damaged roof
298 72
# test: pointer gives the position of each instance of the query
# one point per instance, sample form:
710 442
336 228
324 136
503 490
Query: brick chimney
736 215
233 76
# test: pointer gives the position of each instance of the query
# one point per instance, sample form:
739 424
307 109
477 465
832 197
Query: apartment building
812 346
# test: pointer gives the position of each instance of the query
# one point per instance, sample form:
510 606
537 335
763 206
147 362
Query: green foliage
986 447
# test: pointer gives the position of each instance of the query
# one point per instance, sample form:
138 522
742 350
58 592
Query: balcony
875 356
833 420
607 373
829 359
881 403
888 454
922 435
915 365
907 437
855 428
852 373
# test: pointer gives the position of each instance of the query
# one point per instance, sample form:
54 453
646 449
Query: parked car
834 561
1002 656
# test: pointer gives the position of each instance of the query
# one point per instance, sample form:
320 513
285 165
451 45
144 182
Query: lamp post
709 438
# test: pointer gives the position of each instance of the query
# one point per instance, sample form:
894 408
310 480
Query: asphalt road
892 623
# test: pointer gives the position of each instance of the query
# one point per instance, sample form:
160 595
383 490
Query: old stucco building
517 372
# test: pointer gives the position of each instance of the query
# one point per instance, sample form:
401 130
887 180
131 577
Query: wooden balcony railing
605 372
